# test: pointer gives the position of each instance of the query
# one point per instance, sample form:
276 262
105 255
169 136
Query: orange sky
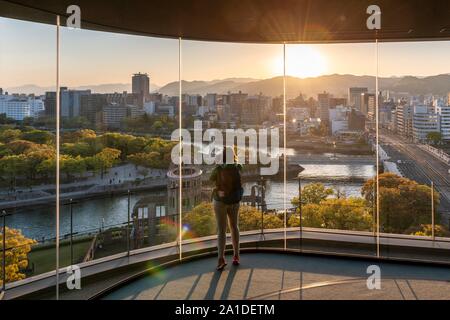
27 56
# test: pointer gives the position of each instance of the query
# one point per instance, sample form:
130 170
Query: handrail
160 251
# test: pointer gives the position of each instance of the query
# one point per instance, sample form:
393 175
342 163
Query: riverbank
102 192
158 182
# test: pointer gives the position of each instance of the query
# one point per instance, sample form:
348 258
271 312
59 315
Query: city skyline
114 57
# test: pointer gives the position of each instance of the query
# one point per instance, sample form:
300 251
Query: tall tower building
324 106
140 84
354 97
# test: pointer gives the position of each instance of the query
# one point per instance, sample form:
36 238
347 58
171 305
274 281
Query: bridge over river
332 160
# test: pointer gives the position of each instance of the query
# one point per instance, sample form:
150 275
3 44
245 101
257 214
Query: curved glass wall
414 142
117 120
331 136
28 150
316 112
232 98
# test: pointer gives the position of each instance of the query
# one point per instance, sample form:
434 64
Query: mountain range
96 88
335 84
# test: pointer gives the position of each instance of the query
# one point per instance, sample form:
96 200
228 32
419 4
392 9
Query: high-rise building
140 84
424 122
50 102
18 107
443 112
237 101
404 118
255 109
211 100
195 100
91 107
367 102
371 107
71 102
113 115
324 106
223 113
354 97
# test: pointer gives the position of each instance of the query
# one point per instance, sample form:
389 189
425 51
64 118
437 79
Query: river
93 214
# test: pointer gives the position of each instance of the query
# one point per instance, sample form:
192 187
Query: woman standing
227 195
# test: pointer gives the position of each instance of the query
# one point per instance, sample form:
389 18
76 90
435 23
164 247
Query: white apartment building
339 119
150 107
36 106
424 122
20 107
404 119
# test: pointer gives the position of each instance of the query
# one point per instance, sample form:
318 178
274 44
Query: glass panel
27 142
115 143
232 95
414 129
330 121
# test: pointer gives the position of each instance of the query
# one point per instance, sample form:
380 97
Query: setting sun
303 61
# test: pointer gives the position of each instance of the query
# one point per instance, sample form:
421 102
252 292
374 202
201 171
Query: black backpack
229 181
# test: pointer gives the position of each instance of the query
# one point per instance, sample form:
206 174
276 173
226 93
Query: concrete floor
281 276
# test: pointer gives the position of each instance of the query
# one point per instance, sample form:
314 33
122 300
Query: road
419 165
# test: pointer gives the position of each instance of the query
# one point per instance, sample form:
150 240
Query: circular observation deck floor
286 276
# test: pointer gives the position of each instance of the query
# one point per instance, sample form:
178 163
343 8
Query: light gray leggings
223 211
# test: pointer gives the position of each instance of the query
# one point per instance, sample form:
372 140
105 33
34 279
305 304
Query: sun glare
303 61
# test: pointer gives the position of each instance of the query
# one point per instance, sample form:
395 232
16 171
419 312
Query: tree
404 203
21 146
117 141
38 136
137 145
250 219
106 158
17 249
427 230
157 125
200 221
149 160
72 165
9 135
13 166
77 149
79 135
75 123
93 164
313 193
5 120
4 150
434 137
341 214
35 156
47 167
